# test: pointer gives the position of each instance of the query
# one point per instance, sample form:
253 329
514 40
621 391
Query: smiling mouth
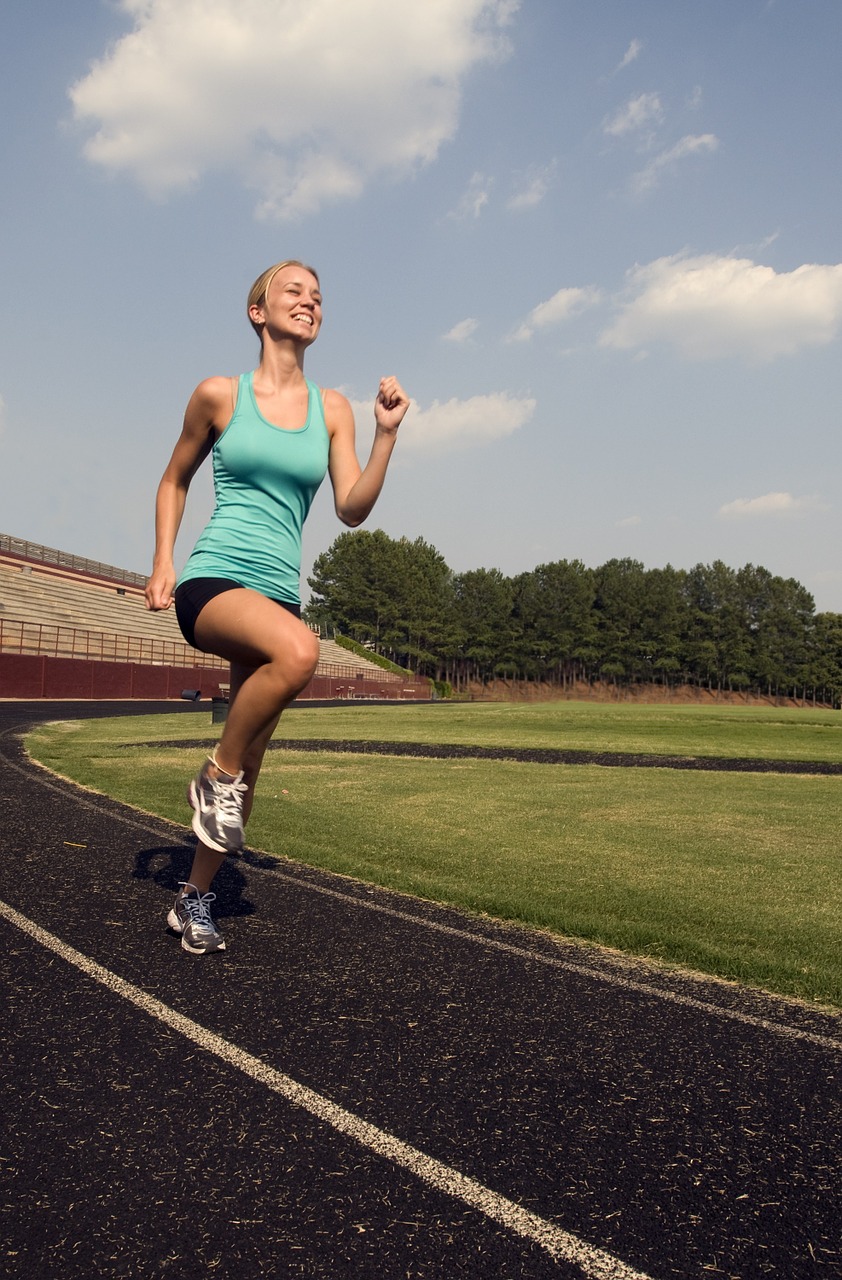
302 316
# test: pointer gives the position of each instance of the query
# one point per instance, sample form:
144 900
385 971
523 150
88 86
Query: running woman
273 435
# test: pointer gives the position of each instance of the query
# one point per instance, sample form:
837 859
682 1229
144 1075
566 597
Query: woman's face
293 304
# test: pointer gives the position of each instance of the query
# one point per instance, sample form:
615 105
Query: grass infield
732 874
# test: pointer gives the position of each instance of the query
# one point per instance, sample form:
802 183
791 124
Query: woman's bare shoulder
338 412
211 405
215 390
337 407
330 396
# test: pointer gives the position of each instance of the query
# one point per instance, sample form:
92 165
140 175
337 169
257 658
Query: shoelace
197 906
228 798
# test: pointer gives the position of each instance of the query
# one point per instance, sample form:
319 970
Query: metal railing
37 553
54 641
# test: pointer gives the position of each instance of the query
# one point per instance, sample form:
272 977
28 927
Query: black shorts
192 596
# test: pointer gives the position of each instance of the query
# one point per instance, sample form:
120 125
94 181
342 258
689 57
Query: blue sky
599 244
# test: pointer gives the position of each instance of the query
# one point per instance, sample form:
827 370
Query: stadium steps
117 616
53 600
334 653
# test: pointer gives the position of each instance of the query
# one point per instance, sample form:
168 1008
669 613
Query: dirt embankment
538 691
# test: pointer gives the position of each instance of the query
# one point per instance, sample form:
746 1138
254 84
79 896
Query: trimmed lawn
733 874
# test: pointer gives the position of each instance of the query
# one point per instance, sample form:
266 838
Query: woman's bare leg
273 656
206 862
258 695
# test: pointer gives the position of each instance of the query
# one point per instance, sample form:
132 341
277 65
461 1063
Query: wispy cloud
462 331
228 85
457 424
561 306
532 187
632 53
690 145
641 112
770 504
710 307
474 198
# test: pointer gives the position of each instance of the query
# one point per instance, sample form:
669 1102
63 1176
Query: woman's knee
302 657
293 665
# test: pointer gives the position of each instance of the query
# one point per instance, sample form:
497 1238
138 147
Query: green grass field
733 874
749 732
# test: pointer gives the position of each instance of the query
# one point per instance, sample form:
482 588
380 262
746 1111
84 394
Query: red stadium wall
41 659
33 676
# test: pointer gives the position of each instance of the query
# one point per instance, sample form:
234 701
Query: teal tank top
264 480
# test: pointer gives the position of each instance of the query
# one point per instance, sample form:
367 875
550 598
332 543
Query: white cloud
306 103
462 331
474 199
561 306
463 424
638 113
456 424
628 522
708 307
690 145
533 186
634 51
770 504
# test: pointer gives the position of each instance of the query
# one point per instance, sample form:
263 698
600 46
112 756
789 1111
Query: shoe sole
198 829
177 927
201 951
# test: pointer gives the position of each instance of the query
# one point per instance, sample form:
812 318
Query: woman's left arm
355 490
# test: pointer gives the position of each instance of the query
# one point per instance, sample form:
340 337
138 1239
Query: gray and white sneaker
218 809
190 916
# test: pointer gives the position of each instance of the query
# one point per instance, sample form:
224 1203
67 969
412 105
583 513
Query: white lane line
570 966
594 1263
607 975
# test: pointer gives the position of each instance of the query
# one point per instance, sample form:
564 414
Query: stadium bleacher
62 606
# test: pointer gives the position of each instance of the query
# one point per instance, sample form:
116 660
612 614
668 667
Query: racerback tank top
265 479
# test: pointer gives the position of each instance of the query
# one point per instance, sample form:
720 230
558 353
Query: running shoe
218 810
190 916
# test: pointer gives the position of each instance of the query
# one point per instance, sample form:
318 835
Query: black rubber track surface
688 1128
543 755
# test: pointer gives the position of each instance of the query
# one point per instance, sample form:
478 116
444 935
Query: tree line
563 623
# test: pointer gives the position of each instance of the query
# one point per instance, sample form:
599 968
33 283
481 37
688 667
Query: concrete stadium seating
38 595
44 606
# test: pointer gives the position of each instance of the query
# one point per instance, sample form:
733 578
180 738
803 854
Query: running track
364 1085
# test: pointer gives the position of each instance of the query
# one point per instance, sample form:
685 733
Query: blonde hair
260 288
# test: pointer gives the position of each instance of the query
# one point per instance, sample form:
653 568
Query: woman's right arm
206 415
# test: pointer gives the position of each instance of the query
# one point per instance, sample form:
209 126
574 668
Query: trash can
219 710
